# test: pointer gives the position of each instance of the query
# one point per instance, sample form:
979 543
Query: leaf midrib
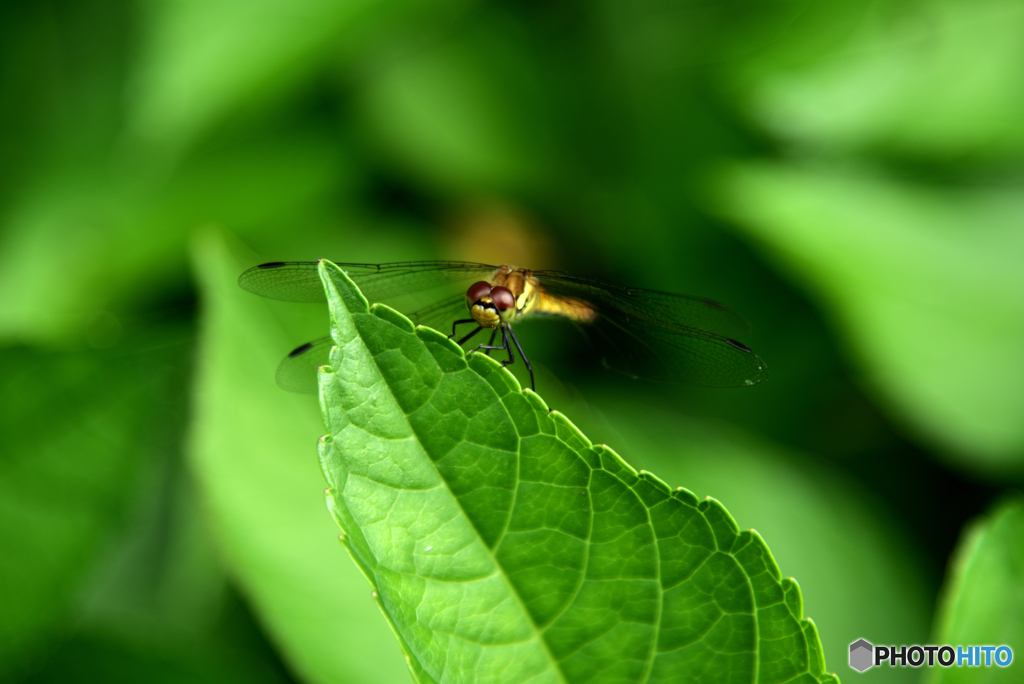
538 633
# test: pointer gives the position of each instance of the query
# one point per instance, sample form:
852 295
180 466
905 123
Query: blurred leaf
982 601
503 545
824 528
156 607
78 429
467 114
160 581
925 283
79 245
62 69
202 61
97 660
926 78
251 454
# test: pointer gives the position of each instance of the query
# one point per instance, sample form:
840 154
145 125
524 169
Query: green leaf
61 277
250 455
983 601
924 283
468 114
202 62
824 526
503 546
77 440
930 82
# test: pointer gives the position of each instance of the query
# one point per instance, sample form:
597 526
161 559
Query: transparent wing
403 285
297 372
659 335
430 293
441 315
290 281
662 354
655 306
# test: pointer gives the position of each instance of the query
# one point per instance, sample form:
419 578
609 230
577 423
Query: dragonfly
649 334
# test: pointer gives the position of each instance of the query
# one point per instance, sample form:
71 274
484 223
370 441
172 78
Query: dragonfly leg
466 338
506 345
494 331
489 347
533 385
457 324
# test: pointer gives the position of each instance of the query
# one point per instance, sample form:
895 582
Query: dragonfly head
490 306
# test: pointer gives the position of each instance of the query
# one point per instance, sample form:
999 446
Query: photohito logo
864 655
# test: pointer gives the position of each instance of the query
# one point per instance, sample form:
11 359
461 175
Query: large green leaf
984 598
503 546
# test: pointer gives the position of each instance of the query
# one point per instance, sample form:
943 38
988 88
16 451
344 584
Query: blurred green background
847 176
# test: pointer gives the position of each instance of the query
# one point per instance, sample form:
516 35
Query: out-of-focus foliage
920 265
62 491
928 306
927 80
982 601
248 451
845 175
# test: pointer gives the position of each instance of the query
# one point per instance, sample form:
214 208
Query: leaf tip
340 288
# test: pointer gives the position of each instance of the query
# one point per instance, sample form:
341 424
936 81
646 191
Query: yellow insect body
530 298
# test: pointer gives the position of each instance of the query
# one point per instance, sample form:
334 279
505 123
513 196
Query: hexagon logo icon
861 655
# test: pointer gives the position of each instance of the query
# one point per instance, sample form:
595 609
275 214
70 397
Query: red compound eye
478 290
503 298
